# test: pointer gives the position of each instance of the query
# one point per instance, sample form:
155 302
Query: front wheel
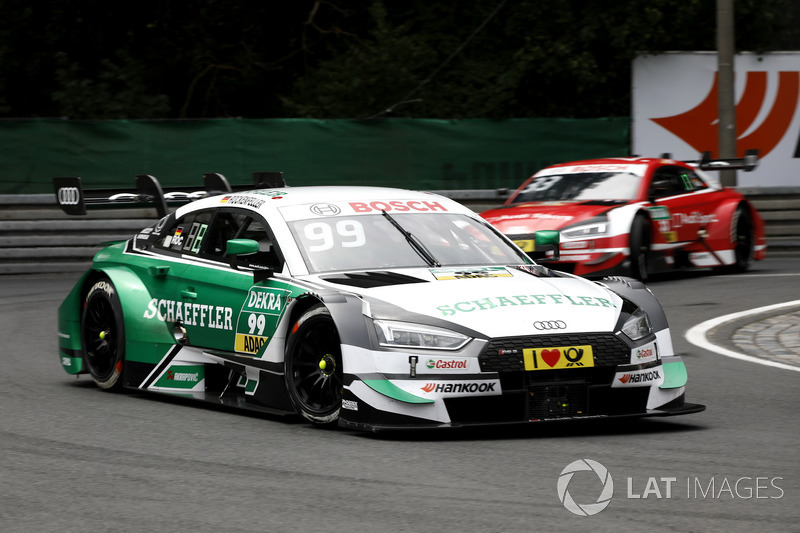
103 335
313 366
640 241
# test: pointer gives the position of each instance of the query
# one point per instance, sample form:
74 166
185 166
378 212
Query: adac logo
698 126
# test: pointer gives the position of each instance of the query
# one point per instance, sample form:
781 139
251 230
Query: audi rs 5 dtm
637 216
371 308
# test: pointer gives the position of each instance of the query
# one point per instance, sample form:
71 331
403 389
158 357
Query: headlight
638 325
592 228
407 335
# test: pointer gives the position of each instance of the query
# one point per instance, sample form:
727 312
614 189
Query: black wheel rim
100 336
316 367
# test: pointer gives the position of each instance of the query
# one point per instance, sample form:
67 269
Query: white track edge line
697 335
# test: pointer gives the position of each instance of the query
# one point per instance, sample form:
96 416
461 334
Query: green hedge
411 153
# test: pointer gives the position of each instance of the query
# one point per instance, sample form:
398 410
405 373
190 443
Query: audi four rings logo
549 324
68 196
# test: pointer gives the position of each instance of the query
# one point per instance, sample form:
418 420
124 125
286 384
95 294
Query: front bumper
504 392
411 424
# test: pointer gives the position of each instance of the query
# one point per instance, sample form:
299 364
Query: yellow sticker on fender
249 343
558 357
527 245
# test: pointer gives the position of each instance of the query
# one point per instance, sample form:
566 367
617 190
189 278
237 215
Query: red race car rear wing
73 199
746 163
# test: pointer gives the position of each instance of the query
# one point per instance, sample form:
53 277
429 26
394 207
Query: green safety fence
424 154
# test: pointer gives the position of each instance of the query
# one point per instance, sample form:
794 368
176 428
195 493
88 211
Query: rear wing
746 163
73 199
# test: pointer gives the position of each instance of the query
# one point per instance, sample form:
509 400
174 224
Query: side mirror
241 247
237 247
544 242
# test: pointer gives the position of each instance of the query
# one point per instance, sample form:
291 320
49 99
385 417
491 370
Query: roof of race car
637 166
331 200
620 162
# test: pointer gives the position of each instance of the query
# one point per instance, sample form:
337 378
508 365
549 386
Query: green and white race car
373 308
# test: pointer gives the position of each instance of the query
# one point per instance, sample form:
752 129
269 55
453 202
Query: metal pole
725 97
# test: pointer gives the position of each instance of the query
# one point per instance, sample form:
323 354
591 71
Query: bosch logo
325 210
543 325
68 196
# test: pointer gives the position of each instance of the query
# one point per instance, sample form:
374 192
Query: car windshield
581 186
403 240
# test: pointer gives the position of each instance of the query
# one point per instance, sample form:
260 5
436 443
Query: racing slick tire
313 366
640 240
103 335
743 241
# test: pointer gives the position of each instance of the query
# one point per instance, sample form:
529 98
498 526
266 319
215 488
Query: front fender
638 293
347 311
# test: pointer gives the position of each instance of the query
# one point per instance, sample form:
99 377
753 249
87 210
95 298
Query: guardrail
37 237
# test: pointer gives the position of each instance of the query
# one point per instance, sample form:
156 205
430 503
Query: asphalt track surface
74 458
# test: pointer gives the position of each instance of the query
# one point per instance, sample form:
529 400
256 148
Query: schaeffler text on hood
508 305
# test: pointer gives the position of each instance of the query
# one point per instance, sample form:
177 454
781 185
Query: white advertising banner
675 110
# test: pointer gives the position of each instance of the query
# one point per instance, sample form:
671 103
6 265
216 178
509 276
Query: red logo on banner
698 126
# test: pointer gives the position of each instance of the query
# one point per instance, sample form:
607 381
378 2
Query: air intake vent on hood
369 280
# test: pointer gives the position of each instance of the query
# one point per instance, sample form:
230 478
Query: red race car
637 216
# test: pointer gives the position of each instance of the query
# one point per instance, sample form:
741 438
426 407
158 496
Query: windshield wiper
413 241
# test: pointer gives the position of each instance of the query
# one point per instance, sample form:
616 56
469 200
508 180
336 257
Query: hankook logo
542 325
325 210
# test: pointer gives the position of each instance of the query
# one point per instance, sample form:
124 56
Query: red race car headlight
593 227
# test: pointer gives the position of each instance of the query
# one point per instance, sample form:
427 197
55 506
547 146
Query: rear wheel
314 376
103 335
743 241
640 240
